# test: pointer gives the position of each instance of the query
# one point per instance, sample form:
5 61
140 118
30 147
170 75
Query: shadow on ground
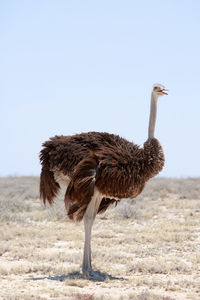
77 275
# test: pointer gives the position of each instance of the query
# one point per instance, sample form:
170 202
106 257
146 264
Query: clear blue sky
73 66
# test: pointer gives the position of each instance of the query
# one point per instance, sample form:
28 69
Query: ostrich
98 169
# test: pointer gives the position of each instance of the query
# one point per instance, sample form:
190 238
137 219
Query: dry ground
150 246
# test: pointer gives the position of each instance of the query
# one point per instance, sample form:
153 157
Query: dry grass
150 245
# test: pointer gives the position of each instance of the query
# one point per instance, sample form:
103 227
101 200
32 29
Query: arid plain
149 246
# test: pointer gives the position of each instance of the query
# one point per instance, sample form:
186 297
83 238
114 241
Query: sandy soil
149 247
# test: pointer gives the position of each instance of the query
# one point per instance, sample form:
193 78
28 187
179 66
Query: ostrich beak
164 91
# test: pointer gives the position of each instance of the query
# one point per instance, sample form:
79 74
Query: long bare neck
152 118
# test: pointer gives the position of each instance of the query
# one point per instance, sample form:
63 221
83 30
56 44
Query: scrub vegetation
150 246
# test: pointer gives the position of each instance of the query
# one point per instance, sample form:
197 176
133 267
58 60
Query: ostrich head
159 90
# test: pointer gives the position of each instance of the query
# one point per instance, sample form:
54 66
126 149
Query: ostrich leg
89 217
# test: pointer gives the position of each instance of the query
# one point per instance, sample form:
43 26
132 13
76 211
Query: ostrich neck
152 118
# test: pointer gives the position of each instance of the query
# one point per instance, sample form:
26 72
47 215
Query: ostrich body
98 169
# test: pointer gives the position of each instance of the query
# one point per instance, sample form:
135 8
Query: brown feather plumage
117 167
48 186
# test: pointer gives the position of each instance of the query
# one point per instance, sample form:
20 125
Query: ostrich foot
94 275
